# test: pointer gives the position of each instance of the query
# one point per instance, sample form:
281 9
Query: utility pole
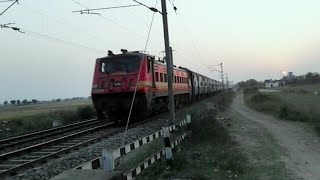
227 80
169 61
222 75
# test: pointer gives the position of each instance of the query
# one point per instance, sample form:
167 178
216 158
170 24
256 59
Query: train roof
145 53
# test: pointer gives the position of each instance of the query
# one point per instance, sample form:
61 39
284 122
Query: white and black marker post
189 121
108 161
167 145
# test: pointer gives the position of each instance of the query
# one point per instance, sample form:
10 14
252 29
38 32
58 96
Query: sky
55 56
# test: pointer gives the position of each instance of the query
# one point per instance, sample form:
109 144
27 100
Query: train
118 76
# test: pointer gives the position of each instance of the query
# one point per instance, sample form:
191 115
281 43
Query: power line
16 1
43 36
106 8
6 1
136 87
145 48
65 42
151 8
105 18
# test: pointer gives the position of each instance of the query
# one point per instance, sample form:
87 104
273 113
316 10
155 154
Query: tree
309 77
13 102
18 102
34 101
5 103
252 83
25 102
315 78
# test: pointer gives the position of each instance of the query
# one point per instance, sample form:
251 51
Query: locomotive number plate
117 84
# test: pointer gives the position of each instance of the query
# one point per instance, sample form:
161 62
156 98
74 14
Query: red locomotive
116 76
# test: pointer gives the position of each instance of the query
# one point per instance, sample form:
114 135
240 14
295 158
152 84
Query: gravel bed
74 159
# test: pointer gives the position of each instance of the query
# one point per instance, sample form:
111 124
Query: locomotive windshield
120 65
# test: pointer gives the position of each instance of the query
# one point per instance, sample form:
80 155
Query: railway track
19 142
13 162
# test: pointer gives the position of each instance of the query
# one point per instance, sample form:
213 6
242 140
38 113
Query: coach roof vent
124 51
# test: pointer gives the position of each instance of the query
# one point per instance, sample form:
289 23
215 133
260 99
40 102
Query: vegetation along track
14 161
25 140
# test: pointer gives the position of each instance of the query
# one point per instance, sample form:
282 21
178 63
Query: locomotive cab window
120 64
103 67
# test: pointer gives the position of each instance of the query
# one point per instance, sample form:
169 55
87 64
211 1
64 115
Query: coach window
161 77
157 76
165 78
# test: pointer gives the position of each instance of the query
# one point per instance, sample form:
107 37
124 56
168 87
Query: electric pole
222 75
169 61
227 80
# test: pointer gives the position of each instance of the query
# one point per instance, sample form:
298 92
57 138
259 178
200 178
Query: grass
209 153
288 105
19 120
9 112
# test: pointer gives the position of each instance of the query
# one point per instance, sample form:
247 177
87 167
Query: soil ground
277 149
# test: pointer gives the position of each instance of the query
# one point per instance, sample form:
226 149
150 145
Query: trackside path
291 145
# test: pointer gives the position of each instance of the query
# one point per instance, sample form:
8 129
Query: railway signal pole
222 78
169 60
227 81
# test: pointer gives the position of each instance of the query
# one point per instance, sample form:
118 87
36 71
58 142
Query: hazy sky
253 38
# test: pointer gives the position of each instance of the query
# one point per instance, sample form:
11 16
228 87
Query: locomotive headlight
95 86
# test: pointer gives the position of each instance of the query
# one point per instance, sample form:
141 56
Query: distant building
269 83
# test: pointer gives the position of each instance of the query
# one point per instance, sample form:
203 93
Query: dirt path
282 149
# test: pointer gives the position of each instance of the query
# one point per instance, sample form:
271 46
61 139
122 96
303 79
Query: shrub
302 91
284 112
250 91
86 112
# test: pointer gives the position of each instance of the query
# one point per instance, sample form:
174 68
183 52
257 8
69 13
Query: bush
25 124
259 97
284 111
86 112
250 91
302 91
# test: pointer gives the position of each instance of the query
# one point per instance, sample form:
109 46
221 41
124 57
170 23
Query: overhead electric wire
60 20
139 74
6 1
65 42
121 26
147 42
16 1
106 8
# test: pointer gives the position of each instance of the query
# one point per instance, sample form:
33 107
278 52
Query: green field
15 120
297 103
10 112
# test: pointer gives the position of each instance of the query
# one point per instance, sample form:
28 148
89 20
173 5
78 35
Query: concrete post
189 121
108 161
167 145
56 123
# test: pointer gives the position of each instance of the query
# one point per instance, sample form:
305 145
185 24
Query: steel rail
5 158
13 141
